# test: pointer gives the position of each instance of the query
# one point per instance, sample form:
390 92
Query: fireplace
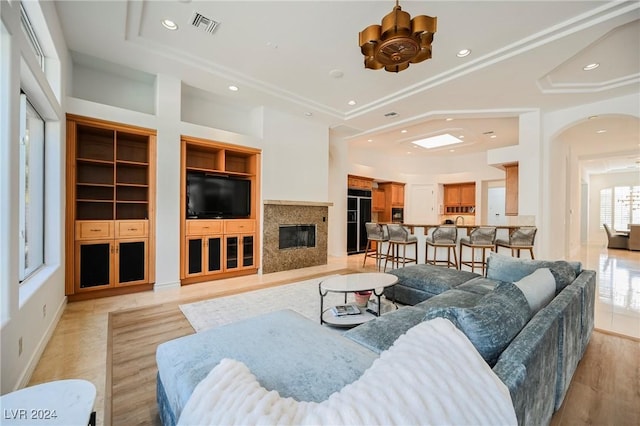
295 235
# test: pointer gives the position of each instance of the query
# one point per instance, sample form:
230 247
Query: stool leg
455 258
387 257
366 252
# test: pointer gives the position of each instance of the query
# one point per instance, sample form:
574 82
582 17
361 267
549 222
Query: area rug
302 297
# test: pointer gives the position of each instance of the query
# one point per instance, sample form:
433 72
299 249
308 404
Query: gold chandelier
398 42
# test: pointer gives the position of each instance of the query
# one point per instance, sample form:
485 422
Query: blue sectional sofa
533 344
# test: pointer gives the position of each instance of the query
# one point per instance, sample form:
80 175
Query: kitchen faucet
459 217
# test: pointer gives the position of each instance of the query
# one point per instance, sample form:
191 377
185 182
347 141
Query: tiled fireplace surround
277 213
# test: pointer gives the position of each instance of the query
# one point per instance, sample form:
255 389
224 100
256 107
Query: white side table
63 402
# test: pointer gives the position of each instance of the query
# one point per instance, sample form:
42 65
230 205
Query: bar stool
375 234
400 236
442 236
521 238
481 237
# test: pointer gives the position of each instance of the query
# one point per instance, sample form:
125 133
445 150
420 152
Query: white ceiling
525 55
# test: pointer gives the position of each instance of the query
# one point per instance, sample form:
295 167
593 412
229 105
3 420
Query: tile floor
78 346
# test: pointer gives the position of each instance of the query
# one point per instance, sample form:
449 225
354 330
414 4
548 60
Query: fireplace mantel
297 203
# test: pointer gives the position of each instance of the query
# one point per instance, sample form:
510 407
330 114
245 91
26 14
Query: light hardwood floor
77 348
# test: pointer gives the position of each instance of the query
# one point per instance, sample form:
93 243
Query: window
31 196
620 206
31 36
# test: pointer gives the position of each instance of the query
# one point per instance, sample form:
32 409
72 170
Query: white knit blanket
431 375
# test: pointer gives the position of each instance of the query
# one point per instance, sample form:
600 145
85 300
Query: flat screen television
217 197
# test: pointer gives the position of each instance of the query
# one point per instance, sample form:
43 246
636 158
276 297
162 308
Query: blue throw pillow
493 322
512 269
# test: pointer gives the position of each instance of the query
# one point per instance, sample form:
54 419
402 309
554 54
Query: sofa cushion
510 269
431 279
479 285
493 322
539 288
379 334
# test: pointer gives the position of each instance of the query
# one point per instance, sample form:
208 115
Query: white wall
295 158
23 314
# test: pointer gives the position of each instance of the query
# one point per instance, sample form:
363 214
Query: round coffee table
375 282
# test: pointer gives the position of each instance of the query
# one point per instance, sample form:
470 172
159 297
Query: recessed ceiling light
308 114
448 119
452 150
601 131
438 141
461 137
403 131
336 73
369 140
233 88
169 24
352 102
493 136
462 53
590 67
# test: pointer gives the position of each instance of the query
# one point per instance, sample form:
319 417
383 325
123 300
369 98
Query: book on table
349 309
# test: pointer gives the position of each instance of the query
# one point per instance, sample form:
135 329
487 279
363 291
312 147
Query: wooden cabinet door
248 251
468 194
131 262
511 190
397 195
378 200
451 195
194 257
94 266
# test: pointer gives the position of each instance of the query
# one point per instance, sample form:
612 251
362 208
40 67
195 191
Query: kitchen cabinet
110 208
460 198
219 248
511 190
359 182
393 199
378 200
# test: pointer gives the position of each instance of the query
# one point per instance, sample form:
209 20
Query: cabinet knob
132 229
94 230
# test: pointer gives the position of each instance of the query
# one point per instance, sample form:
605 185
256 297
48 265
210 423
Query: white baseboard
165 286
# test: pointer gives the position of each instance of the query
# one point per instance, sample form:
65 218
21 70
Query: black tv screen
213 197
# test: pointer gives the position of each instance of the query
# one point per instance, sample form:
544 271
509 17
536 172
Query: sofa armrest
529 369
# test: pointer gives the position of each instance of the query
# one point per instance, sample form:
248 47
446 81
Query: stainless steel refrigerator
358 213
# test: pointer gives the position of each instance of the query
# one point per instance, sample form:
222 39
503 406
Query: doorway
495 206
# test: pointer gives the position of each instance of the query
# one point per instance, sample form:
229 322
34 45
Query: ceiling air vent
391 114
201 21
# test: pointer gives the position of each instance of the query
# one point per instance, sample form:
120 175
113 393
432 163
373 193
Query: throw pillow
539 288
512 269
493 322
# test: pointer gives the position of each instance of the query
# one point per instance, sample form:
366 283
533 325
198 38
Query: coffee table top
62 402
358 282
